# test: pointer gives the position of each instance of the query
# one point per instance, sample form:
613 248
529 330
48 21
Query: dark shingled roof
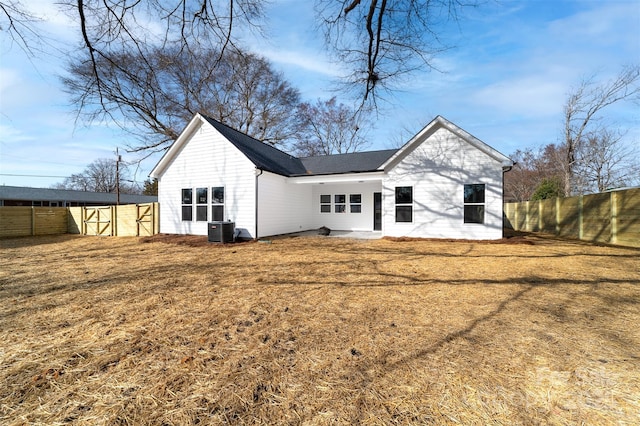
264 156
354 162
271 159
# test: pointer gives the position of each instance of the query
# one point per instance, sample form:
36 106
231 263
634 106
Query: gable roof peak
437 122
264 156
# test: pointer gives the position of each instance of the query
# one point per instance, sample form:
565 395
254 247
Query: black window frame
340 203
187 204
325 203
202 204
404 204
217 203
355 203
474 203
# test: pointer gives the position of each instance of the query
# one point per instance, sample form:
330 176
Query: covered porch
349 203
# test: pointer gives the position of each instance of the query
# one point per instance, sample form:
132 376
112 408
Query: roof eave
440 121
175 147
374 175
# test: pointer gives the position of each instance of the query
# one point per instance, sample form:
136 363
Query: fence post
540 213
83 217
614 217
33 221
156 218
114 220
580 219
557 215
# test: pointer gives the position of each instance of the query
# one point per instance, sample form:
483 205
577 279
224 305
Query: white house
443 183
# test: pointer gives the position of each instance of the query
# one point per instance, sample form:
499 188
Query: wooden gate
144 220
126 220
98 220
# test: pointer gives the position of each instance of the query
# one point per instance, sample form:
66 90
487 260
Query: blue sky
505 81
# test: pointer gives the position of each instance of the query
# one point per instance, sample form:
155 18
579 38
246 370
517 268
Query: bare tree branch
327 127
154 102
582 108
381 40
19 23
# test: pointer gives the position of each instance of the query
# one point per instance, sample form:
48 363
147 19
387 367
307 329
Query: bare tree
380 41
100 176
530 170
522 179
328 127
19 23
156 95
605 162
110 27
581 113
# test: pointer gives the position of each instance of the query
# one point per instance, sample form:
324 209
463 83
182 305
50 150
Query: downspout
256 213
505 170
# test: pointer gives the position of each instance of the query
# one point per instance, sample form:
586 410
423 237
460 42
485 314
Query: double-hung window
355 203
340 203
325 203
187 204
404 203
217 203
201 204
474 203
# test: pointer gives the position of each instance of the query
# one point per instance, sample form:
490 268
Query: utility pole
118 159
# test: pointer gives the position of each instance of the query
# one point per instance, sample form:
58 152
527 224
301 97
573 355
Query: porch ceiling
340 178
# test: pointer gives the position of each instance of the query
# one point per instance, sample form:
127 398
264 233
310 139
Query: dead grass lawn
318 331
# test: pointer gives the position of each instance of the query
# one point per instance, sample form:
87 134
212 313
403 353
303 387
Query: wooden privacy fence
609 217
123 220
21 221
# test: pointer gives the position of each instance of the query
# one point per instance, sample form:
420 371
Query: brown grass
317 331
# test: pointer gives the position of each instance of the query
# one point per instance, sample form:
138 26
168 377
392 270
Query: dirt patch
176 330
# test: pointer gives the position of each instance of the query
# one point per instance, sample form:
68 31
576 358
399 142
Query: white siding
345 221
284 207
437 170
208 160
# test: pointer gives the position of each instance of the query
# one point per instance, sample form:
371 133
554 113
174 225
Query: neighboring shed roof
48 194
355 162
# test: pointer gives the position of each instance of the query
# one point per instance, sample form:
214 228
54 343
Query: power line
42 176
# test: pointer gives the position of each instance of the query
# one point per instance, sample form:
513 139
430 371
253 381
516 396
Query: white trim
437 122
184 137
338 178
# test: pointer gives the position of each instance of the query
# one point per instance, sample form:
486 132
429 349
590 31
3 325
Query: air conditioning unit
221 232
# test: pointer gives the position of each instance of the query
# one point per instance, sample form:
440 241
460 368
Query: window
217 203
187 204
201 204
325 204
355 203
474 203
404 204
340 205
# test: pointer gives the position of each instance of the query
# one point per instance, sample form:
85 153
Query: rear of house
444 183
